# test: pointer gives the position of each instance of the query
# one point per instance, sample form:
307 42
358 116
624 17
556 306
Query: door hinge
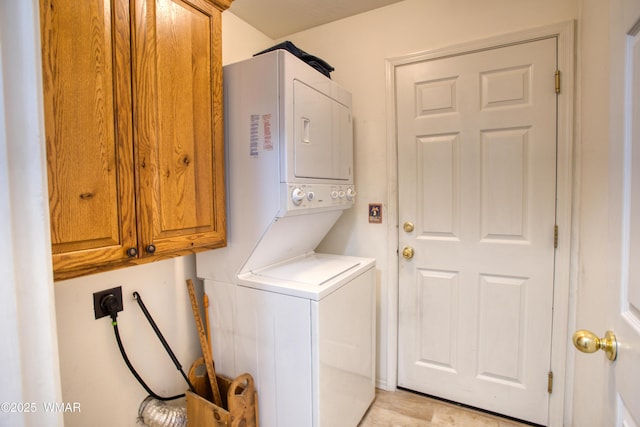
557 81
550 383
555 237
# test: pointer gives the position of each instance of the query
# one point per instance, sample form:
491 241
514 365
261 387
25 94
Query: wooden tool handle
205 301
206 353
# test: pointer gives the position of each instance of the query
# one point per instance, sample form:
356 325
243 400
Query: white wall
240 40
28 356
357 47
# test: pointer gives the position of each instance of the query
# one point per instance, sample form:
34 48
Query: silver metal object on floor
156 413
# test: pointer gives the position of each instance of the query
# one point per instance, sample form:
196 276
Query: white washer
305 330
307 335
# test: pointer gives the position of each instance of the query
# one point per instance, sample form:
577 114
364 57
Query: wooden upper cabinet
88 122
133 118
177 81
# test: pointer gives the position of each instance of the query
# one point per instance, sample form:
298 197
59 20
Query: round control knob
351 193
297 196
310 195
341 194
334 194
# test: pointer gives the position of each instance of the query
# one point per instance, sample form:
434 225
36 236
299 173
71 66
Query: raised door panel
87 99
179 140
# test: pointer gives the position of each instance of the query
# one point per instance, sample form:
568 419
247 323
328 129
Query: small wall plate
375 213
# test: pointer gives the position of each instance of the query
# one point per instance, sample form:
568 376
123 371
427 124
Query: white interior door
627 368
477 188
622 391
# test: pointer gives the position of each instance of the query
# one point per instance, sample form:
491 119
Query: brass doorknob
588 342
408 226
407 252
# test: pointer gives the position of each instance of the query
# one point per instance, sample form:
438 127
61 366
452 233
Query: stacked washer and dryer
300 322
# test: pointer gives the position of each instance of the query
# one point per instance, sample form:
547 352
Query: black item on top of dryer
313 61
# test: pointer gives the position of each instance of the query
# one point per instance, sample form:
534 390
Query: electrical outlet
98 297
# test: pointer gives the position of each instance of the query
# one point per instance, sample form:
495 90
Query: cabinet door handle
151 248
132 252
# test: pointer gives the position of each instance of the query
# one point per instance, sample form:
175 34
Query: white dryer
301 323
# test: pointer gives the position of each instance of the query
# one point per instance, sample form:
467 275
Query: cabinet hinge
557 81
550 383
555 237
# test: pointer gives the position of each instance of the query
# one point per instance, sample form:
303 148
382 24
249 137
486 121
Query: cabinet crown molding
222 5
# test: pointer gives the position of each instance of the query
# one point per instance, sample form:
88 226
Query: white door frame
565 272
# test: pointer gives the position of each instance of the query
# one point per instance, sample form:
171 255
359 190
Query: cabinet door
177 77
87 106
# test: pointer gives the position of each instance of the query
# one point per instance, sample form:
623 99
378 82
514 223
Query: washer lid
313 269
313 276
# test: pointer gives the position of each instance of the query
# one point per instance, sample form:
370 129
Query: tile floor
405 409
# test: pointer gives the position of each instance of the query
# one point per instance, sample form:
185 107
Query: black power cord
163 341
109 304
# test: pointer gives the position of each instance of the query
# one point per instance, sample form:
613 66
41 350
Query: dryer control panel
298 198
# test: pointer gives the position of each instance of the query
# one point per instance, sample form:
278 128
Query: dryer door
323 135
